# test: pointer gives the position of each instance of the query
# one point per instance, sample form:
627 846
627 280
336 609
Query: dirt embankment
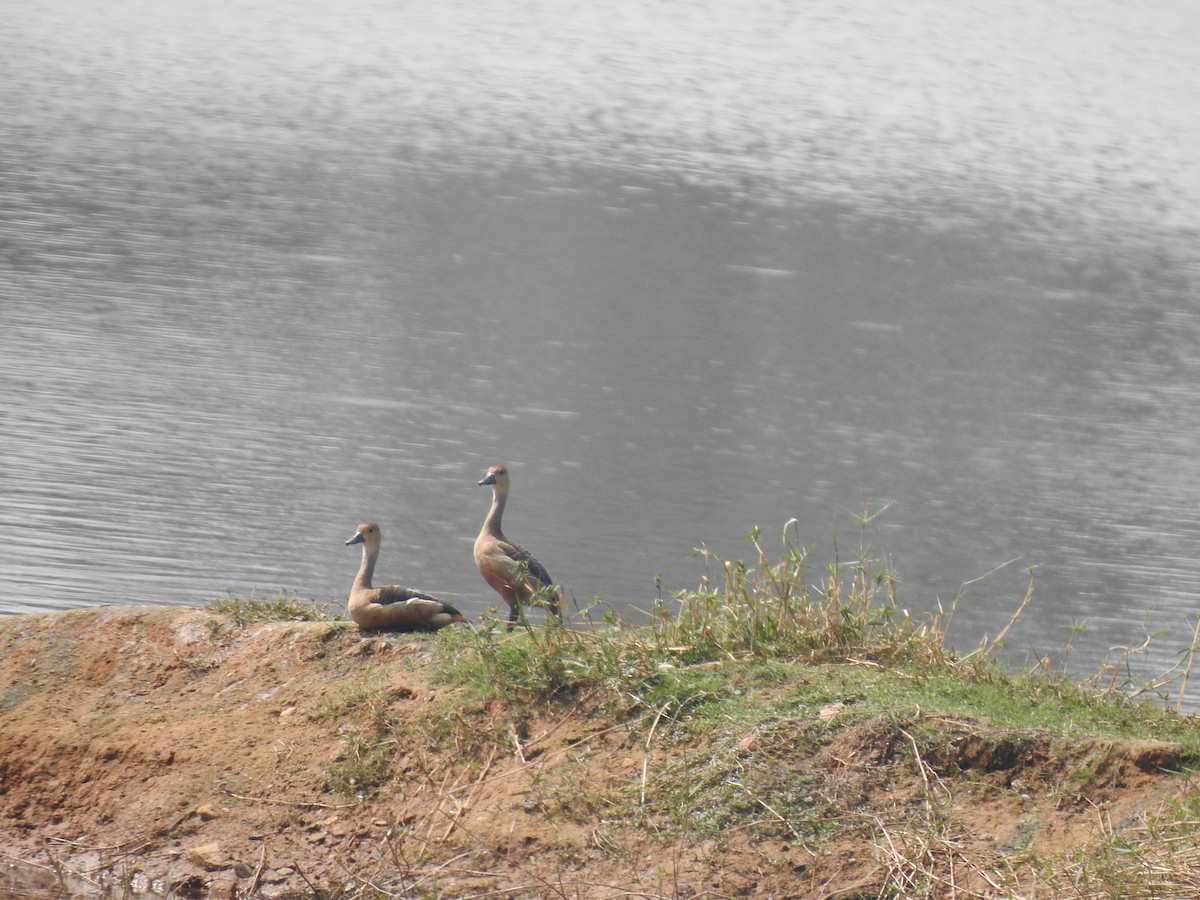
169 748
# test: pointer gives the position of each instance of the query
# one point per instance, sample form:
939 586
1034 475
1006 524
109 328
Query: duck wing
390 594
408 610
534 568
427 607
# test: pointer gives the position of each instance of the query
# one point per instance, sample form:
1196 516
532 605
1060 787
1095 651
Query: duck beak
357 539
489 478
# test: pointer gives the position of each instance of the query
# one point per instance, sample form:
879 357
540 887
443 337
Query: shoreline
174 749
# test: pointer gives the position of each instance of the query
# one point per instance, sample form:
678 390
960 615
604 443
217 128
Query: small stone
210 856
828 712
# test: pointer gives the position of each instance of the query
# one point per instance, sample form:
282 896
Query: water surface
269 271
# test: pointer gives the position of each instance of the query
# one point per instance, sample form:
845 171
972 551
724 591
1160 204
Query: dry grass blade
646 753
999 639
1187 671
471 796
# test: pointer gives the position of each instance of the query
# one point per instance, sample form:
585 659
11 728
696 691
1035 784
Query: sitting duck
389 606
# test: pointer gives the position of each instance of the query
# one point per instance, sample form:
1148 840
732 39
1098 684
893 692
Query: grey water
269 269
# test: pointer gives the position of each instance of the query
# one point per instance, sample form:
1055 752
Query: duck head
367 533
497 477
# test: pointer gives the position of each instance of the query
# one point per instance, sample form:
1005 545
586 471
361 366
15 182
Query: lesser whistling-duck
389 606
509 568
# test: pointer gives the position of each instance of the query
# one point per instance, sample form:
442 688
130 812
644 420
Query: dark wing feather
538 571
535 568
395 594
453 611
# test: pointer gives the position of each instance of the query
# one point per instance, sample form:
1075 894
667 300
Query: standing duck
389 606
509 568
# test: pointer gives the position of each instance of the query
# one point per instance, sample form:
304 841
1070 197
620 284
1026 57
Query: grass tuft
740 613
770 700
287 607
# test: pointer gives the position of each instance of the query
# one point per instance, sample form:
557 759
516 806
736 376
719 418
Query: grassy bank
781 730
808 711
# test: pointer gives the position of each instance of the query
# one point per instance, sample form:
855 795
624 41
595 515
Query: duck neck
491 525
366 569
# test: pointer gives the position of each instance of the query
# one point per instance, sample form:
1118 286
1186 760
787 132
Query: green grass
835 635
284 608
767 663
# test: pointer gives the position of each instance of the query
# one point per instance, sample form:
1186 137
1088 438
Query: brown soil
171 747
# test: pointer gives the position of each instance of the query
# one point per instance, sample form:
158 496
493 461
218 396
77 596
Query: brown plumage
509 568
389 606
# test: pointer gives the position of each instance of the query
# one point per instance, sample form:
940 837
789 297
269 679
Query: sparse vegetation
287 607
783 728
735 687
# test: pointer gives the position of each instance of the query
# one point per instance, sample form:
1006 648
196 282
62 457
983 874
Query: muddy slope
169 747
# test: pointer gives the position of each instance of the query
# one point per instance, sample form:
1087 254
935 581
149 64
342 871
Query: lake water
271 269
